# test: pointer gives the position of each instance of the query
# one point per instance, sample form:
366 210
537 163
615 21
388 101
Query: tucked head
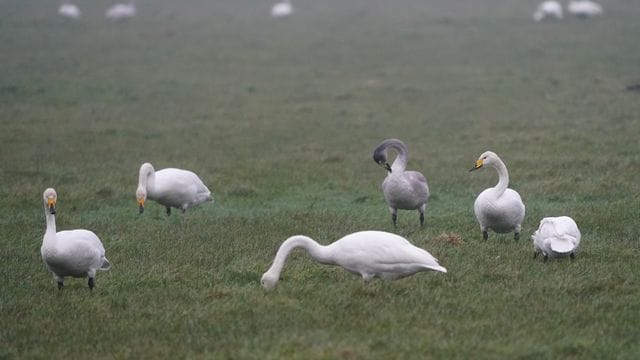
488 158
380 157
268 281
50 197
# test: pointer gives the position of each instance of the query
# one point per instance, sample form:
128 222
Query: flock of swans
552 9
370 254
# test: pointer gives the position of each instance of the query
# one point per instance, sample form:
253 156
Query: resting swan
556 237
367 253
498 208
407 190
584 8
69 10
170 187
121 11
548 9
77 253
281 9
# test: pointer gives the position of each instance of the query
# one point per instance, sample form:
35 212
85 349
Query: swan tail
562 245
106 265
437 268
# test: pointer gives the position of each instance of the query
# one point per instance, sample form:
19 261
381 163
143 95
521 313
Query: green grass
280 120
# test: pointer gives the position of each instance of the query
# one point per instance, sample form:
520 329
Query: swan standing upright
498 208
76 253
121 11
407 190
69 10
281 9
584 8
556 237
369 254
171 187
548 9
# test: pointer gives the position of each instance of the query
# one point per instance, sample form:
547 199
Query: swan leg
421 209
572 256
535 254
60 285
92 283
546 257
485 234
168 210
516 237
394 215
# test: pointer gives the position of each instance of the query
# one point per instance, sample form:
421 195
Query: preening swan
498 208
121 11
548 9
584 8
170 187
407 190
77 253
281 9
556 237
69 10
367 253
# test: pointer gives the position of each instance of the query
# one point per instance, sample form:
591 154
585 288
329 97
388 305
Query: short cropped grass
280 118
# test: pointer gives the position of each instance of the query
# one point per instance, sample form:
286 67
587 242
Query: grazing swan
281 9
548 9
121 11
77 253
584 8
69 10
556 237
498 208
407 190
170 187
366 253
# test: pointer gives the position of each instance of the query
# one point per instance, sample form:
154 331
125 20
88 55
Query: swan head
380 157
268 281
50 197
488 158
141 196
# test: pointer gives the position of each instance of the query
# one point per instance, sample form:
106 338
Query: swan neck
147 177
400 163
51 222
503 177
317 252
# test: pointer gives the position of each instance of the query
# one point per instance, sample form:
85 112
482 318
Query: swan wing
176 187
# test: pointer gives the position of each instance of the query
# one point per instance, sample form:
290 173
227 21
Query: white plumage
121 11
281 9
69 10
369 254
498 208
76 253
407 190
556 237
584 8
548 9
171 187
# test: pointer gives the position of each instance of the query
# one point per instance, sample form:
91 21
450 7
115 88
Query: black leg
168 210
394 218
516 237
60 285
92 283
485 235
535 254
421 218
572 256
546 257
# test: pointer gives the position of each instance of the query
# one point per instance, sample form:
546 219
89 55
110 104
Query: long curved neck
51 223
147 178
503 177
317 252
400 163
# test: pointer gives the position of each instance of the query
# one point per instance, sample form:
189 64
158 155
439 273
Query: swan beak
386 166
141 205
52 206
478 165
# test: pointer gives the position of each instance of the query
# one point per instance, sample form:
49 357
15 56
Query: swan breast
74 253
407 190
502 213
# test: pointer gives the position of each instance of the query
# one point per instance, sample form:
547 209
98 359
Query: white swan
407 190
498 208
69 10
584 8
548 9
77 253
556 237
281 9
170 187
367 253
121 11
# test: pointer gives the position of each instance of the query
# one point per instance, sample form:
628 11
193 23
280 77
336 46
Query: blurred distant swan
556 237
170 187
69 10
76 253
407 190
121 11
281 9
369 254
584 8
498 208
547 9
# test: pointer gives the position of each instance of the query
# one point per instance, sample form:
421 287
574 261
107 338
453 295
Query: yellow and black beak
479 164
141 205
51 203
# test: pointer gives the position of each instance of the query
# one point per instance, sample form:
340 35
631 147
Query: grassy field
280 118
